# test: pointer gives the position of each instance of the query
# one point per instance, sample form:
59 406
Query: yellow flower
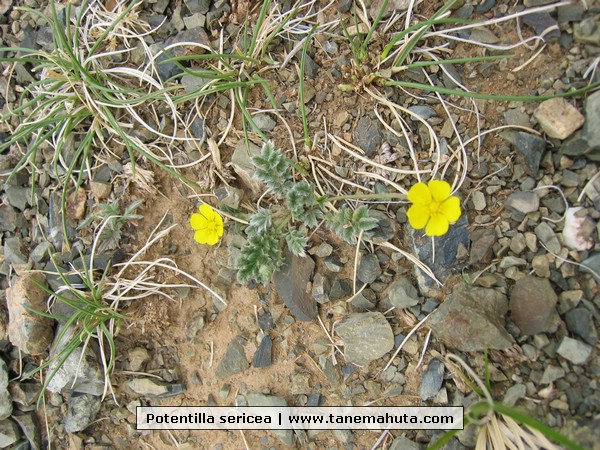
208 225
433 208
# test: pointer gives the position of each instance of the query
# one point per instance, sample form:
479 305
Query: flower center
434 207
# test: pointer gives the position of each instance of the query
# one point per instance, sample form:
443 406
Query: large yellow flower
433 208
208 225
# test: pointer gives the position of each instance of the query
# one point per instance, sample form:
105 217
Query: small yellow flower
208 225
433 208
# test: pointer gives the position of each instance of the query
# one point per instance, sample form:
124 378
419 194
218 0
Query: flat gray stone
9 433
472 319
367 337
446 252
482 245
591 130
432 379
262 400
580 322
82 411
262 357
234 360
241 161
264 122
153 388
532 306
368 268
30 426
401 294
368 135
573 350
523 202
291 282
531 148
76 373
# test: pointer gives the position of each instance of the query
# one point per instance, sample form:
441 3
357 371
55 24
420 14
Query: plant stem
382 196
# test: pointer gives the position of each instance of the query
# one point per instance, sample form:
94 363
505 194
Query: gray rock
587 32
40 253
320 289
262 357
82 411
340 289
546 234
29 331
580 322
333 263
401 294
368 268
6 406
592 265
425 112
558 118
198 6
541 22
9 433
76 373
385 229
8 218
446 252
479 202
153 388
25 395
265 322
523 202
229 196
367 337
591 130
198 129
573 350
513 394
472 319
482 245
137 359
264 122
234 360
193 82
30 426
551 374
532 306
531 148
17 196
403 443
322 250
291 282
432 379
361 304
241 161
516 117
12 251
255 399
368 135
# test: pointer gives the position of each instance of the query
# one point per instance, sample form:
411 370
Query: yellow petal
440 190
198 222
200 236
207 211
212 238
418 215
451 209
219 228
419 194
437 225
